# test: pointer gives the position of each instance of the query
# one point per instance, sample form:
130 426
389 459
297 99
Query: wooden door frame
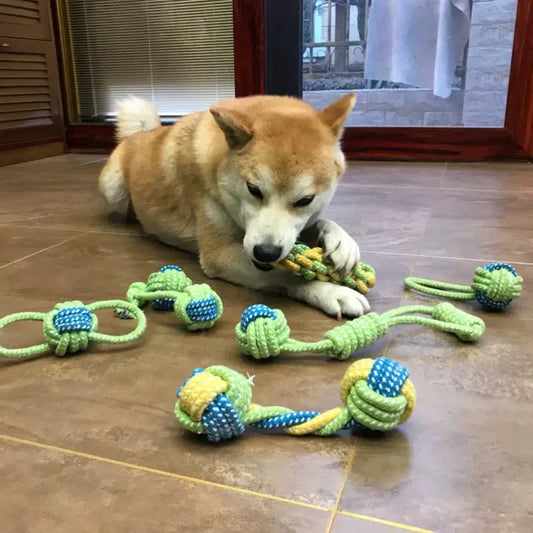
249 47
512 142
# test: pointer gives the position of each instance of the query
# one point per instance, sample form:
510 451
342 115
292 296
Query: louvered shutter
24 18
176 53
29 90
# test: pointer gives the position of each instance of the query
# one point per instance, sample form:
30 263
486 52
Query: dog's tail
135 114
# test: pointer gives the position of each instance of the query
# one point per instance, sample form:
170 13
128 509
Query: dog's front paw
335 300
338 246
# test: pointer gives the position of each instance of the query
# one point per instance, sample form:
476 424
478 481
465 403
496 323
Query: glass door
412 63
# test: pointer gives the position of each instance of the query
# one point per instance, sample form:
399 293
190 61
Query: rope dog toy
263 332
217 401
309 264
70 326
495 285
197 305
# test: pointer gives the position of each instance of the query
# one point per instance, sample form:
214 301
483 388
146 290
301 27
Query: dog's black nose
267 253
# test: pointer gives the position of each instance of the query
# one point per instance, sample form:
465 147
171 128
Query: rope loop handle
467 327
442 317
71 326
495 286
440 288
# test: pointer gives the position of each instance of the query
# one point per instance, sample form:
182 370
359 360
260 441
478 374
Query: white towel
417 42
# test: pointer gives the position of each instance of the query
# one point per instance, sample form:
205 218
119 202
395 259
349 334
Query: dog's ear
336 113
234 126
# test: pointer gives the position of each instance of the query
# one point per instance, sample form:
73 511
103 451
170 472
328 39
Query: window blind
178 54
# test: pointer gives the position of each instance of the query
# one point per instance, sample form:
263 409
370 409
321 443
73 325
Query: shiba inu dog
239 184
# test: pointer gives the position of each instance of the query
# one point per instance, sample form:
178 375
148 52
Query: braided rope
70 327
217 401
309 264
196 305
263 332
494 286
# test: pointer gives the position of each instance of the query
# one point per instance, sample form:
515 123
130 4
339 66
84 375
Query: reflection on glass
411 62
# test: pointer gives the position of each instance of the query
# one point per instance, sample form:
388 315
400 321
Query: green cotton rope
70 327
494 286
198 306
264 332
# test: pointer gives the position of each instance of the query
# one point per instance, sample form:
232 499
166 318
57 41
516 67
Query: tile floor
89 443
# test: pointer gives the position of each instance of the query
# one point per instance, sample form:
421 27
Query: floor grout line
439 188
444 170
104 158
75 230
393 332
362 185
423 233
34 173
354 453
86 231
20 259
193 480
347 471
47 228
449 257
386 522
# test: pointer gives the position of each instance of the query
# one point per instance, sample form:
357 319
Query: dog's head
281 168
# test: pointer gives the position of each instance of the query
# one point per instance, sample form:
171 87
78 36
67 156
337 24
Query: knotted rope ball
168 278
217 401
309 263
71 326
196 305
67 327
263 332
495 286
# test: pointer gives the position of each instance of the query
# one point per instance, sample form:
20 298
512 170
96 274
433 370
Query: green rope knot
198 306
71 326
168 278
496 286
355 334
135 292
194 400
67 327
466 326
374 410
262 332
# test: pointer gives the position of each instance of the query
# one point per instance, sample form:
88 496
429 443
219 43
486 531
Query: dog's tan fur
187 184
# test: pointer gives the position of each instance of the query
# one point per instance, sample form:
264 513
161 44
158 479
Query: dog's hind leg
113 187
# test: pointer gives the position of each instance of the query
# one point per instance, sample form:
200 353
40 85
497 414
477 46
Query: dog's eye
254 190
306 200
